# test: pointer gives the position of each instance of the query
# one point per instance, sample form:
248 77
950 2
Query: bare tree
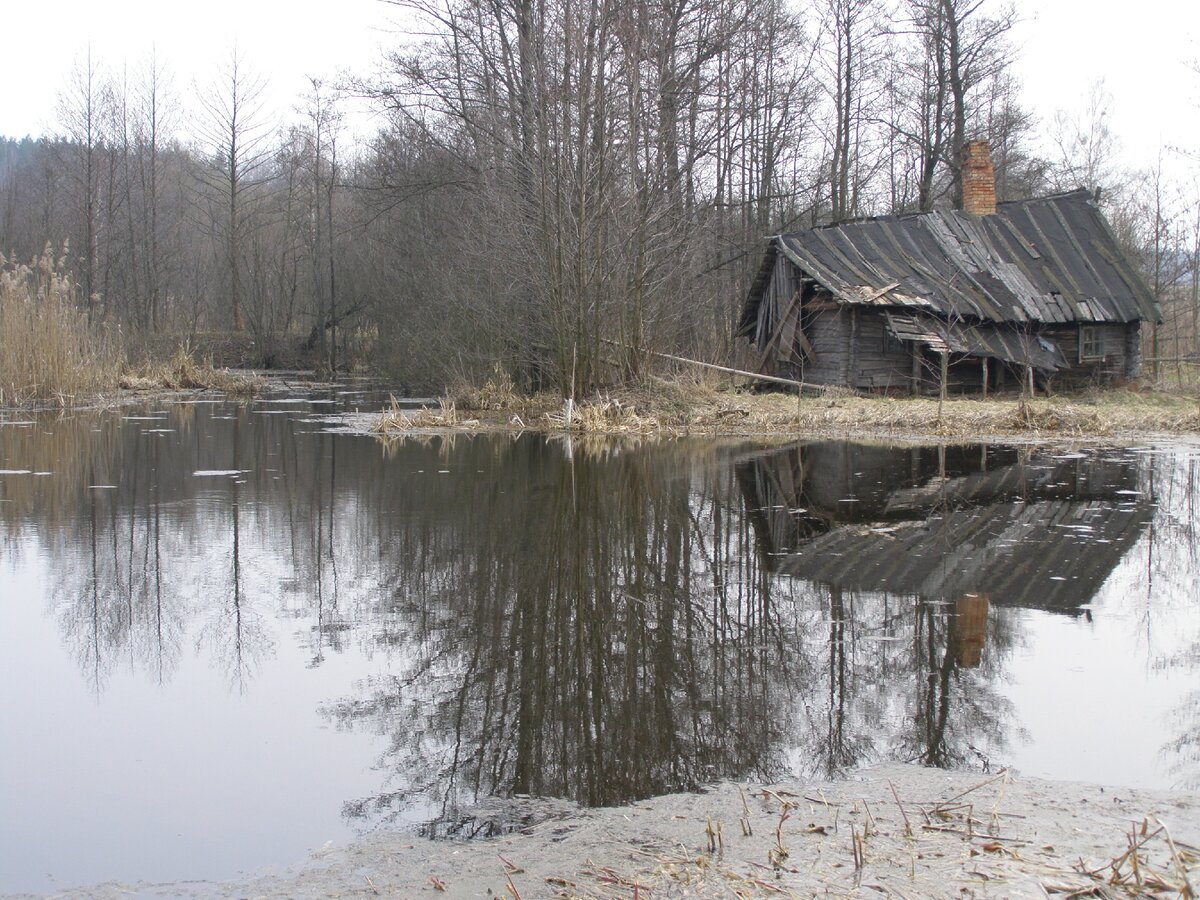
235 132
322 126
851 35
81 108
1085 149
964 48
156 112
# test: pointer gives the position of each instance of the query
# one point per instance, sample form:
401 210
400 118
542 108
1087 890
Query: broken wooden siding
828 333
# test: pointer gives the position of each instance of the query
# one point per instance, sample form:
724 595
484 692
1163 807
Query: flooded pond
234 635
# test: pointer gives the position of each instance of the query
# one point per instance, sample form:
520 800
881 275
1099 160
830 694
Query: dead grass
184 372
674 408
496 394
662 407
603 415
48 352
397 421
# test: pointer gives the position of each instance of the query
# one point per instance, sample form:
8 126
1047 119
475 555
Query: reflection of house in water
1001 525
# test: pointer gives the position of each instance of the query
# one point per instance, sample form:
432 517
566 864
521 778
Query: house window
1091 343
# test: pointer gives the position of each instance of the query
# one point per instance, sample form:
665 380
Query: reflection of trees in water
235 631
906 675
119 610
886 680
587 628
132 559
557 619
959 717
607 629
1168 619
165 560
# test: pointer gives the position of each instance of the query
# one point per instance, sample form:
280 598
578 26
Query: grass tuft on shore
184 372
496 394
396 420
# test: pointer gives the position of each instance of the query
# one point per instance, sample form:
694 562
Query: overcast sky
1141 50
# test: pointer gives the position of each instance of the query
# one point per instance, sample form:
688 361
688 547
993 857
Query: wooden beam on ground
819 388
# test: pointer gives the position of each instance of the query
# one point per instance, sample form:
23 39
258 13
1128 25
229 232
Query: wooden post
916 368
852 355
756 375
1029 379
944 379
983 361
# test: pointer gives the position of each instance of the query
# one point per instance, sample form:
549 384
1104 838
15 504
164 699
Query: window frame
1091 343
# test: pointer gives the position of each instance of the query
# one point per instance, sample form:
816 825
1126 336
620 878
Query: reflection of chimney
978 179
970 623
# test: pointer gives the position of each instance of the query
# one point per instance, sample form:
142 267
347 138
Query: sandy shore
889 831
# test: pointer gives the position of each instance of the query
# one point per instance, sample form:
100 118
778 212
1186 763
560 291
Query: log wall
1121 357
828 332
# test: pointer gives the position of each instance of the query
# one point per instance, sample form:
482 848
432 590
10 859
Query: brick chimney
978 179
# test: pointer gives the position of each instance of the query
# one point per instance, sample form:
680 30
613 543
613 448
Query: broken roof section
980 340
1035 261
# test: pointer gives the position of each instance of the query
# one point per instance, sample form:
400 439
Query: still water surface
234 635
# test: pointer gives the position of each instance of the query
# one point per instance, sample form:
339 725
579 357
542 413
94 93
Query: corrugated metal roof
1040 261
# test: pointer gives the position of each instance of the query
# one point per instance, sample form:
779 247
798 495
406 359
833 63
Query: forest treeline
556 185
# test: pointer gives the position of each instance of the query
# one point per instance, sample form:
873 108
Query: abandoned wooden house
980 298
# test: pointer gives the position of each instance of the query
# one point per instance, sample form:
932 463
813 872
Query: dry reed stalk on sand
952 819
1132 872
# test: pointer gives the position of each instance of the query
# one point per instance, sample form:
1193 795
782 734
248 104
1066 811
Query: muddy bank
891 831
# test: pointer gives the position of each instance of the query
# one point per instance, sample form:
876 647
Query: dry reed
606 415
395 420
184 372
48 351
658 406
497 393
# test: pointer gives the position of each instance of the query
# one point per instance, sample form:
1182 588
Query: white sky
284 41
1142 51
1139 49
